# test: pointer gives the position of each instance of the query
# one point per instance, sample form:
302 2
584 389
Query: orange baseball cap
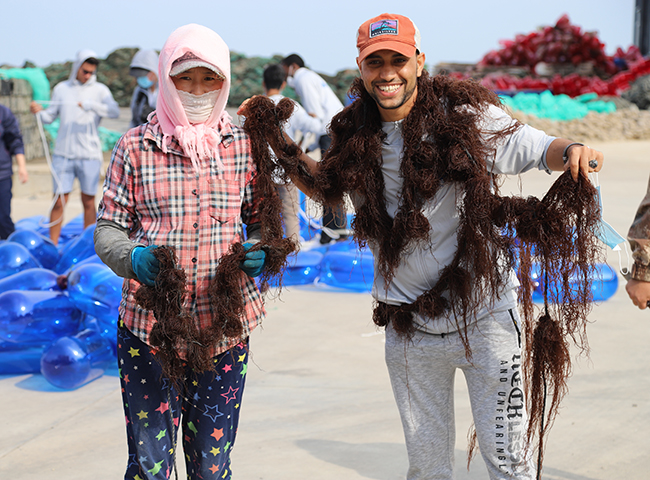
388 32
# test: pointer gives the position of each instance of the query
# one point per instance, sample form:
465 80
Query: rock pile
629 123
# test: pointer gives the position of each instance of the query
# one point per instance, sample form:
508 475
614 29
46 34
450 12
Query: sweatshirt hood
145 60
82 56
198 140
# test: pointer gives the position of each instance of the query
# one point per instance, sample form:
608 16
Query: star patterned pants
208 412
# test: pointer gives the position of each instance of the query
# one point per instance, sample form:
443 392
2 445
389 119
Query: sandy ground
318 402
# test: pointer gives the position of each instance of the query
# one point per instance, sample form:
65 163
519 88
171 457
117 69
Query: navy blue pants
207 411
6 224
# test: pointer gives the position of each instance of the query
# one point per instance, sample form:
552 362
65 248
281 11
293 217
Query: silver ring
593 163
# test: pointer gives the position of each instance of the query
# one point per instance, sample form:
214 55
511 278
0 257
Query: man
274 81
143 101
11 144
638 286
319 100
80 103
417 155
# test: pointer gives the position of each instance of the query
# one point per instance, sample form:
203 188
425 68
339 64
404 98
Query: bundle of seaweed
175 326
165 299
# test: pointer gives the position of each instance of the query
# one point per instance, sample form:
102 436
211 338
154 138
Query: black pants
6 225
334 218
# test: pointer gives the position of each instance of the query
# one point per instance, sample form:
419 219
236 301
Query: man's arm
301 120
22 167
577 157
107 107
638 287
309 90
51 113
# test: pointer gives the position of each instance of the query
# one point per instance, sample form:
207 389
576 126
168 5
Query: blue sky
323 33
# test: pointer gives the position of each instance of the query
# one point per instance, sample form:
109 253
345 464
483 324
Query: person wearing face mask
320 101
79 103
184 180
144 67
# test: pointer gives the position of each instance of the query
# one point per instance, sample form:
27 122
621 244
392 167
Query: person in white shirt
80 103
300 123
319 100
420 158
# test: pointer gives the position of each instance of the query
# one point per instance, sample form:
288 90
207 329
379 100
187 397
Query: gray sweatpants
422 372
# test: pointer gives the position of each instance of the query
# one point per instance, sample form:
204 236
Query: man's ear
420 60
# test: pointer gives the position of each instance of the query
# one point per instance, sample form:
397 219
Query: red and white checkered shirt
160 200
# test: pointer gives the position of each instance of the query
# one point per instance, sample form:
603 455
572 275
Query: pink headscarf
200 140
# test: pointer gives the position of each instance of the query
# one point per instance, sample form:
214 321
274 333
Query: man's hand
581 158
639 292
35 107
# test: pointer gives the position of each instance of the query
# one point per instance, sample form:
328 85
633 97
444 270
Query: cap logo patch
383 27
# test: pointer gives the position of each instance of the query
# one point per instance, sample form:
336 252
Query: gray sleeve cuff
113 247
254 232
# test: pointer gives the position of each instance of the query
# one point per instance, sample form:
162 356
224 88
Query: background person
11 145
319 100
79 103
300 123
144 68
638 286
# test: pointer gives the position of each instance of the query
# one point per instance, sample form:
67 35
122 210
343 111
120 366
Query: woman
183 180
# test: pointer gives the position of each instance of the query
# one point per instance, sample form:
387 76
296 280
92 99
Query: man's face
391 79
86 71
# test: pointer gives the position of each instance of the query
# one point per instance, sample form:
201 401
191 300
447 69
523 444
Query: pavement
318 402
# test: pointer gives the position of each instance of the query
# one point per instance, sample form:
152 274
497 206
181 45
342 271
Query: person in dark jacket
11 145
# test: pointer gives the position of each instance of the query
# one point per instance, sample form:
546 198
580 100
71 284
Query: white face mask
198 107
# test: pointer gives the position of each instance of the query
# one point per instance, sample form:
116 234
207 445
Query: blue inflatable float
73 361
59 307
604 284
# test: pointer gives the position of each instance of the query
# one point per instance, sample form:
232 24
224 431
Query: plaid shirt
160 200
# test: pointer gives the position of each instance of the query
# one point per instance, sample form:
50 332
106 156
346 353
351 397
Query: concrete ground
318 402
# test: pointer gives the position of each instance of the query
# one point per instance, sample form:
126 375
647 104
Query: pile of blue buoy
59 305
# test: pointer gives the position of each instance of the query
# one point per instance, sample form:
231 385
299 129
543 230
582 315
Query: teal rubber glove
253 263
145 265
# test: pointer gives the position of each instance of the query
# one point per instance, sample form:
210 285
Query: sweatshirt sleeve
308 89
520 151
114 247
301 120
51 113
107 107
13 140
